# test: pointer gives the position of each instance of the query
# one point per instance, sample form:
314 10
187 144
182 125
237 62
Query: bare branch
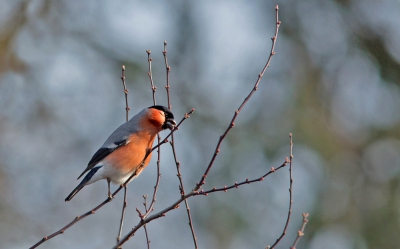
127 117
126 93
217 150
146 217
247 181
177 163
232 123
150 74
168 69
290 193
175 205
153 200
122 215
300 233
144 226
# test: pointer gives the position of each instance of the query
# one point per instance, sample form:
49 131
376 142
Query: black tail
83 183
75 191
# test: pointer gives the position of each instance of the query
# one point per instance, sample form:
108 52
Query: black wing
102 153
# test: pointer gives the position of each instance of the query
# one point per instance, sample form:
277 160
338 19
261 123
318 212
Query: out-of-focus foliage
334 83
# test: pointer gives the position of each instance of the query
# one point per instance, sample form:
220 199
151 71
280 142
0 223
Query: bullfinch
124 151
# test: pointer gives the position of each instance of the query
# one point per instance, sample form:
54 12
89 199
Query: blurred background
334 83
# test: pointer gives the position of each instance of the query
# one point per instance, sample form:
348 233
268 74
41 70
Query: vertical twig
126 93
144 226
172 143
150 74
122 215
290 193
154 88
127 117
168 69
300 233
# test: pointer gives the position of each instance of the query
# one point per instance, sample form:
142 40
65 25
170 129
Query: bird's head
161 116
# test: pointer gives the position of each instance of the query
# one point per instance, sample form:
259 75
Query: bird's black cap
168 113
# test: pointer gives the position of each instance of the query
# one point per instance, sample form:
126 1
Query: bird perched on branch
125 150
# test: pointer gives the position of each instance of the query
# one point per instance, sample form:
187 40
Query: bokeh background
334 83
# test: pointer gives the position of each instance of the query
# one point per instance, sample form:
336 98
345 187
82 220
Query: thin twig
144 226
154 88
300 233
122 215
247 181
125 187
175 205
168 69
150 74
290 194
232 123
177 163
126 93
92 211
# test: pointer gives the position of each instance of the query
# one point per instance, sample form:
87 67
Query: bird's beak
170 124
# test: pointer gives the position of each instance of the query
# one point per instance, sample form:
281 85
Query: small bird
124 152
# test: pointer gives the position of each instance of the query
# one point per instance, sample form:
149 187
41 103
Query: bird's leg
109 191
